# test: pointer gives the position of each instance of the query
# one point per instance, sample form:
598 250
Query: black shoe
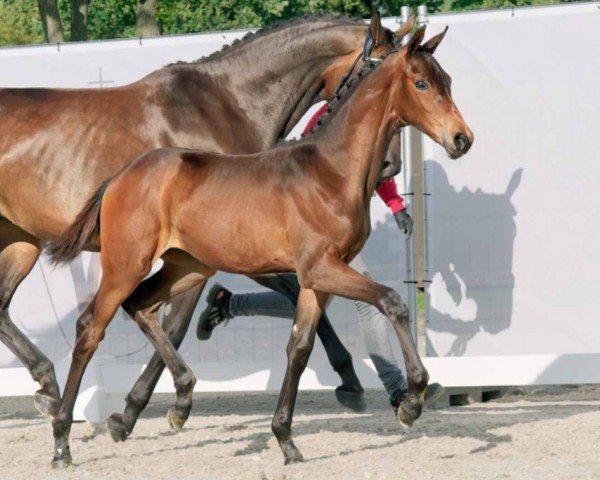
433 392
213 315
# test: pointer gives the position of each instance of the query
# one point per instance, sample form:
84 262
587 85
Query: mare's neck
275 76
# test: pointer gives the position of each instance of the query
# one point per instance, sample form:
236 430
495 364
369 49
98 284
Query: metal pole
411 300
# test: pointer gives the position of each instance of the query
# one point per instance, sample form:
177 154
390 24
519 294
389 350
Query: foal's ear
415 41
430 45
405 28
377 30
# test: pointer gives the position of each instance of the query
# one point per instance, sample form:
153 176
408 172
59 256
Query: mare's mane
276 27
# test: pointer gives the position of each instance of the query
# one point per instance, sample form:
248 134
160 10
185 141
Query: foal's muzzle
461 143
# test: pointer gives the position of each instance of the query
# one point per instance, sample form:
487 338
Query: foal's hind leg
176 320
308 311
91 326
18 253
179 274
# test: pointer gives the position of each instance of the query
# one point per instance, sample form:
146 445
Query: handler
223 305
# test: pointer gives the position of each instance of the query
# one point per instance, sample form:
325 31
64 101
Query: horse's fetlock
420 378
186 381
44 369
61 424
342 362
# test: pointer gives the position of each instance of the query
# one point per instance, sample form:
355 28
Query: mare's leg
308 311
350 393
176 320
18 253
91 326
332 275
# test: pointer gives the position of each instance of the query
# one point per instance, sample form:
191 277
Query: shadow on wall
470 252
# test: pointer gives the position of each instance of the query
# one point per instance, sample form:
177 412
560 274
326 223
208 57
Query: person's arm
315 118
388 192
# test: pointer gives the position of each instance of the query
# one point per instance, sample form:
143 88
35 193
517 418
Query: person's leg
377 342
373 326
267 304
223 305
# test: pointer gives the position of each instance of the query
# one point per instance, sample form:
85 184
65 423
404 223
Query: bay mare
58 145
301 207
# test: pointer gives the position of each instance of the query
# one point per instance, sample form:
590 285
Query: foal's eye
421 85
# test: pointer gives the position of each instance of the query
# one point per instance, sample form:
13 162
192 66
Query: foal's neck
357 136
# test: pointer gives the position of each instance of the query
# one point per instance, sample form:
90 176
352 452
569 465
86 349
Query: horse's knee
392 305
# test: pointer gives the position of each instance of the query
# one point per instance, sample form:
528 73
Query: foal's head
423 98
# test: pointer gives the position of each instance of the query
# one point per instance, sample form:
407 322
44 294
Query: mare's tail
80 233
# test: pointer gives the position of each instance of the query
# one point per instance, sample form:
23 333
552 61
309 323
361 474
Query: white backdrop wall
247 354
512 241
512 236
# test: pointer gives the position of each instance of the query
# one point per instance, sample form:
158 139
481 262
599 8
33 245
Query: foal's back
260 205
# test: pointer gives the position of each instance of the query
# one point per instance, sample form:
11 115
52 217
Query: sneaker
213 315
432 393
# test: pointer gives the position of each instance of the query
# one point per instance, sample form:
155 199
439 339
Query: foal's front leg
333 276
308 311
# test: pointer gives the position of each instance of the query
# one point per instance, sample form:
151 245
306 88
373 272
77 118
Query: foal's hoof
62 459
355 401
116 427
410 409
46 404
175 420
406 419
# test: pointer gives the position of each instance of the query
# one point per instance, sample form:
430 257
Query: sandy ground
544 434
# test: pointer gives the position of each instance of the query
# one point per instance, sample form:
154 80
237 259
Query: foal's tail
80 233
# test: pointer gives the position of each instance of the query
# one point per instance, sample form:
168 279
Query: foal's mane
344 94
276 27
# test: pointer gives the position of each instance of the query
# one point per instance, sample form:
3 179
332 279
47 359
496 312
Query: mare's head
421 95
374 41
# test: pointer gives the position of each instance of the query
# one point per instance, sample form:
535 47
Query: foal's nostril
461 142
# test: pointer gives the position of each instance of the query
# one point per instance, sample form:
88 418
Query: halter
367 58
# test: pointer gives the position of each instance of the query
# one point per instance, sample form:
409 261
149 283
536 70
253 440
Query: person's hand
405 223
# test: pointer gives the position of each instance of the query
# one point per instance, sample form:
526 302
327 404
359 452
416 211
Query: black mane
276 26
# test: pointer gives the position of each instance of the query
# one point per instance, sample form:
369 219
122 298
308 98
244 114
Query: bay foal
301 207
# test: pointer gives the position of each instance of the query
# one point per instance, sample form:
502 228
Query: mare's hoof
62 459
116 427
355 401
293 458
45 404
175 420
